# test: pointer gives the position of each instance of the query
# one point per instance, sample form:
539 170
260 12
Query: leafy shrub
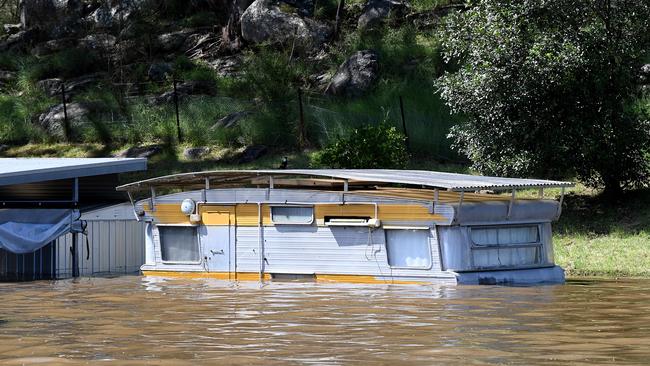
367 147
547 89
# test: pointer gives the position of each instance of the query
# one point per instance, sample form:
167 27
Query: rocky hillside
286 74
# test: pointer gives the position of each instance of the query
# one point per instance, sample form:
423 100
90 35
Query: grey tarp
26 230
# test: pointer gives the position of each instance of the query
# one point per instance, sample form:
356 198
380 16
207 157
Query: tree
551 88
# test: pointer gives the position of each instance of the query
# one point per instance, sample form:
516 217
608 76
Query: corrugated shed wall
113 247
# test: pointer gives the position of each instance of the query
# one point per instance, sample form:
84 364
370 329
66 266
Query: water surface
141 320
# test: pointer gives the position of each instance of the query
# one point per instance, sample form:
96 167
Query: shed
62 217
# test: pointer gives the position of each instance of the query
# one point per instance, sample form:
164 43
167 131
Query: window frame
311 221
407 228
539 245
198 243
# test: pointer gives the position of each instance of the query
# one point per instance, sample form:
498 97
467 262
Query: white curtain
408 248
292 215
179 243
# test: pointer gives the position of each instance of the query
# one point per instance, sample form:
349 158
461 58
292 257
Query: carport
46 205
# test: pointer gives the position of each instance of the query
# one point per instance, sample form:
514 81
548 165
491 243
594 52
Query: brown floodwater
140 320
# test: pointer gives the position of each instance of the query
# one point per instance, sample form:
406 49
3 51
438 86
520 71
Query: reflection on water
163 321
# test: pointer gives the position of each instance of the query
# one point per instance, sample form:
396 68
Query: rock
46 14
321 80
102 42
18 40
356 75
193 153
12 28
140 152
173 41
52 46
263 21
7 77
113 12
202 45
230 120
53 119
227 66
375 10
52 87
159 71
250 154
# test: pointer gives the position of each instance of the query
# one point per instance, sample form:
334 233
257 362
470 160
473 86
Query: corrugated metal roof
449 181
29 170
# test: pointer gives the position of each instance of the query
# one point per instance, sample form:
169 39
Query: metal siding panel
341 250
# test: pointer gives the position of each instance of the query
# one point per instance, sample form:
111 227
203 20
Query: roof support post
559 207
345 185
510 204
540 194
204 193
152 203
460 203
75 191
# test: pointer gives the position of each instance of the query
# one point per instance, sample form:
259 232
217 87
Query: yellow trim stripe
251 276
240 276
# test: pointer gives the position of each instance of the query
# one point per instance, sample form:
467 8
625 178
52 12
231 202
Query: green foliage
269 74
325 9
367 147
68 63
548 88
404 52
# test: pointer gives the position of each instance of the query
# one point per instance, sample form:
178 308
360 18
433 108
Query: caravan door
219 241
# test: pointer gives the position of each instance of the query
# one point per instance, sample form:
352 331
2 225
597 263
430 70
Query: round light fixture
188 206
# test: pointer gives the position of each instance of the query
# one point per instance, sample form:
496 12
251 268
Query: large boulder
140 151
375 10
46 14
195 153
98 42
113 13
52 87
169 42
53 120
18 41
202 45
227 65
53 46
230 120
356 75
264 21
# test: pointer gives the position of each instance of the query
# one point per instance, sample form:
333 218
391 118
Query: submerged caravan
363 226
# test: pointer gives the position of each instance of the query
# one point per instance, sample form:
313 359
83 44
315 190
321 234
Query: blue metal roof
30 170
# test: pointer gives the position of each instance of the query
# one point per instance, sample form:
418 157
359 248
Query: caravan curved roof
312 177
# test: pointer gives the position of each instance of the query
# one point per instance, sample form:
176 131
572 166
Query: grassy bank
594 236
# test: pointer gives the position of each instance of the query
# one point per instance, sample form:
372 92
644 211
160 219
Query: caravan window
179 244
506 246
408 248
505 235
292 215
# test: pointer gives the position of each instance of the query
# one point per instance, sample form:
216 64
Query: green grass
599 237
